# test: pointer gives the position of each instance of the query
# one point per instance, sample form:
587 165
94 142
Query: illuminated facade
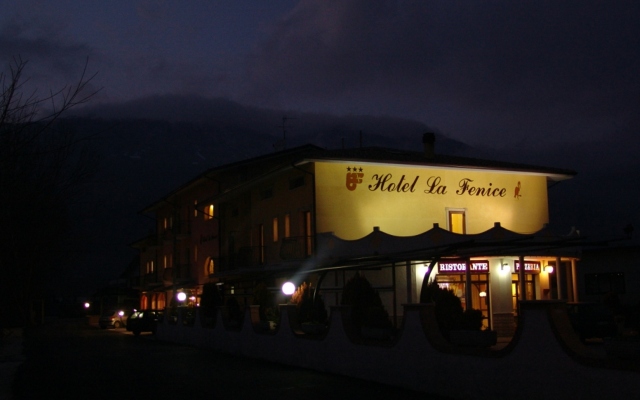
401 218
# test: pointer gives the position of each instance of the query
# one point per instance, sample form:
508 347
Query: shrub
472 320
308 308
449 312
234 312
210 301
265 299
366 305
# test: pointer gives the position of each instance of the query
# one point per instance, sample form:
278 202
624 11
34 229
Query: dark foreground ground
71 360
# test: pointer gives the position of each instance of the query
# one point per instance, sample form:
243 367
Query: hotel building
401 218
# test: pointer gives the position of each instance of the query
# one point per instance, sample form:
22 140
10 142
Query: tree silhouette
42 168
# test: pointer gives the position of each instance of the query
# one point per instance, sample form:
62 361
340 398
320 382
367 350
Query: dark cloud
52 63
538 66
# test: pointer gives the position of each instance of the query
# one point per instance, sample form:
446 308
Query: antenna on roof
282 144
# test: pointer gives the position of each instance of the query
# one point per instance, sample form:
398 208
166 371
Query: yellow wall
350 204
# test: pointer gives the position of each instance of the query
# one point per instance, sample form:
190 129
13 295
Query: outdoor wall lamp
548 269
182 296
504 267
288 288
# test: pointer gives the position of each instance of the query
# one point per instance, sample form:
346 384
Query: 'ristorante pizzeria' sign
530 267
460 267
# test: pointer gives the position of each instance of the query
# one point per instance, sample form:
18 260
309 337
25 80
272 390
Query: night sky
542 82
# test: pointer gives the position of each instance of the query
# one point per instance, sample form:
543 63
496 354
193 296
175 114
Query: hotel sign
432 185
460 267
530 267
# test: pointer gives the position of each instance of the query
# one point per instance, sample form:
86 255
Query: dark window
296 182
603 283
266 194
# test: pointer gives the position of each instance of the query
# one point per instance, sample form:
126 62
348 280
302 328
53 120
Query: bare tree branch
42 167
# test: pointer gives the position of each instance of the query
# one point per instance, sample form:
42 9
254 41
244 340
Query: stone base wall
545 359
504 324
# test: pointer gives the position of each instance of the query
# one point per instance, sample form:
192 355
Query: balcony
292 248
183 271
150 279
251 256
296 247
178 231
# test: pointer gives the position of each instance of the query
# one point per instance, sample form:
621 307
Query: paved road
75 361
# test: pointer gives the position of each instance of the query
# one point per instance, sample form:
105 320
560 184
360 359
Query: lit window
275 229
211 268
287 226
457 221
195 208
208 212
307 231
261 241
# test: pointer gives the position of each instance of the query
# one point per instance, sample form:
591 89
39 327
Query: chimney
428 140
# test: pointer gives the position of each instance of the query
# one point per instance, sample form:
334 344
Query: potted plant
233 312
263 298
311 312
209 303
461 327
368 314
448 308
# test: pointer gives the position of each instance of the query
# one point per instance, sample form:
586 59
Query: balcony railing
178 230
291 248
150 278
251 256
296 247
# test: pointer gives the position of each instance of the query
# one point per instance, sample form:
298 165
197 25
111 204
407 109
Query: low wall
545 358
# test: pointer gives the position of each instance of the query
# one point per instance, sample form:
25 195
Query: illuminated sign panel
405 201
530 267
460 267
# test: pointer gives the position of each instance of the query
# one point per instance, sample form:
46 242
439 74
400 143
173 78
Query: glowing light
548 269
87 305
483 294
121 313
288 288
182 296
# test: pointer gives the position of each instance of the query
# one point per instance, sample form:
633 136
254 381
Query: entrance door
515 290
479 292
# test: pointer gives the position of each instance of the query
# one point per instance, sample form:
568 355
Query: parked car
114 318
144 321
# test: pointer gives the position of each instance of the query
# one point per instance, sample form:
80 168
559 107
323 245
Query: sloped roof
310 153
395 156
